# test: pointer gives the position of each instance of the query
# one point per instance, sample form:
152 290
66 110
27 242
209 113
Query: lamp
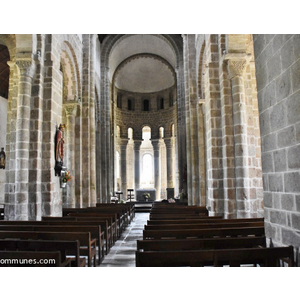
2 159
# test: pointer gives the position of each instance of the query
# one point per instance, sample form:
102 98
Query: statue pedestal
140 192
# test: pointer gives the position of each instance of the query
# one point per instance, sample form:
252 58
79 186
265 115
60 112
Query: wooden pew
176 216
94 230
207 220
111 217
66 248
201 244
181 209
32 259
203 225
105 227
87 244
265 257
83 212
203 233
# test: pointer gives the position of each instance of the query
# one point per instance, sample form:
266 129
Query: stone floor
122 254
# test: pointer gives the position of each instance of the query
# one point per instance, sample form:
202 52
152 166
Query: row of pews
81 237
178 236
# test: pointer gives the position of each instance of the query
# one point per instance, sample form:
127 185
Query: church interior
196 120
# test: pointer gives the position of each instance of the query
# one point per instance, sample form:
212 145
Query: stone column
156 151
93 197
69 195
137 173
169 146
237 64
23 208
123 149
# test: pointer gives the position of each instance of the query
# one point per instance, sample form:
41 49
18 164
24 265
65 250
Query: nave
122 254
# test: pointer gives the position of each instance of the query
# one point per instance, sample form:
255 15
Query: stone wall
277 70
154 118
3 116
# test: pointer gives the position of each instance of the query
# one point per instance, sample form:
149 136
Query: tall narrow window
161 103
129 104
119 101
146 105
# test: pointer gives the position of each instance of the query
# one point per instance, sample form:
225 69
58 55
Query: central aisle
122 254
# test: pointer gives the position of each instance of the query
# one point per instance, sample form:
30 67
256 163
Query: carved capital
26 67
236 67
70 109
237 63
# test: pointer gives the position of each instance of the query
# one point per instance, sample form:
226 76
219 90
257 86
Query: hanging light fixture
2 159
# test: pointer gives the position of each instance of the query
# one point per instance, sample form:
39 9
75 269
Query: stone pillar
93 196
236 67
123 149
156 151
137 173
23 208
169 146
69 195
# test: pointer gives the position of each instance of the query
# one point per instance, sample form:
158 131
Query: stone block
265 123
275 183
287 54
296 221
287 202
290 237
274 66
286 137
293 106
268 200
293 157
278 217
280 162
283 86
296 44
291 182
297 203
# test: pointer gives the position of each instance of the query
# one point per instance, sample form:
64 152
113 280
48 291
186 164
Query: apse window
161 103
146 105
129 104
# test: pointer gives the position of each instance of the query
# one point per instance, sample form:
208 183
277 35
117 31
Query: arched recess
109 44
71 117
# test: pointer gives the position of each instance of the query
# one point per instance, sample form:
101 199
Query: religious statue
2 159
59 149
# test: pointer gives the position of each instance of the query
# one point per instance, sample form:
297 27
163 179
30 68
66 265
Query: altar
139 194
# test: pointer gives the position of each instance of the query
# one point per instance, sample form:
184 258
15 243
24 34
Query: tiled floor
122 254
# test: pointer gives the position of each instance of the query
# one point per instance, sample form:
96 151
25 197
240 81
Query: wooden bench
87 244
94 230
32 259
203 233
82 212
104 223
201 244
184 209
176 216
203 225
66 248
212 219
264 257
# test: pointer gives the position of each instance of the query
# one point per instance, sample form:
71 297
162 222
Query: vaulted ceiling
142 63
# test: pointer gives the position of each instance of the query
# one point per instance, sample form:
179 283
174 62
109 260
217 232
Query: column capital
156 144
123 142
70 109
237 63
168 142
26 67
137 144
